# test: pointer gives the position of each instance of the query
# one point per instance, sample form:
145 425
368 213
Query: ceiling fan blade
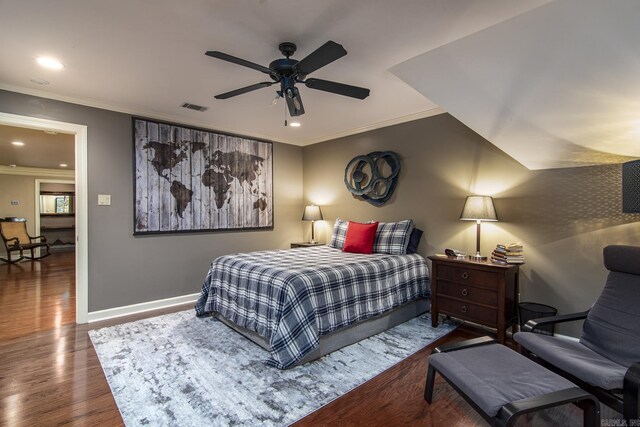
325 54
242 90
338 88
244 63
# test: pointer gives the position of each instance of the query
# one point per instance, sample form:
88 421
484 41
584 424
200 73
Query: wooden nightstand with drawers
477 291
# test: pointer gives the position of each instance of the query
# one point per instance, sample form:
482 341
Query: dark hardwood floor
50 374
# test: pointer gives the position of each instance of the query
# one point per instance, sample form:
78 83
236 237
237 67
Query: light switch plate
104 199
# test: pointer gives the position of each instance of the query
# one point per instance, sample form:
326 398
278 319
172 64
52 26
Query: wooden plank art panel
197 180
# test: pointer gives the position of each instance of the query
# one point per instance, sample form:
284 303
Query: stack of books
511 253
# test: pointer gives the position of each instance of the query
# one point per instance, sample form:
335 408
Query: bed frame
347 335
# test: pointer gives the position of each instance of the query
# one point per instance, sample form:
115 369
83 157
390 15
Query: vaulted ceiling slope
147 57
558 86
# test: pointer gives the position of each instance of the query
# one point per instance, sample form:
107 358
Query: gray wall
564 217
124 269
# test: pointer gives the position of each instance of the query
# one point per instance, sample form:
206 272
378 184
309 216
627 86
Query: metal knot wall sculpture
373 177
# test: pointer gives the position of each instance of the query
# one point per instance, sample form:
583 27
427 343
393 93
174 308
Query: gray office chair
606 360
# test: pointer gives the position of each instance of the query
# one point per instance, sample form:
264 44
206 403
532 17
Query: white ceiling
40 149
147 57
558 86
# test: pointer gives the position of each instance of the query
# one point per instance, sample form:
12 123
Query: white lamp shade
312 213
479 208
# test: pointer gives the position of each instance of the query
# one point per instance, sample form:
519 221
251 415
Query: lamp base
477 257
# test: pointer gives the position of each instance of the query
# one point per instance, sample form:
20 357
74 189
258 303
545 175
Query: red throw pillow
360 237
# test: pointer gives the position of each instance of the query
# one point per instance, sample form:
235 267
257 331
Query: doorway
81 200
55 212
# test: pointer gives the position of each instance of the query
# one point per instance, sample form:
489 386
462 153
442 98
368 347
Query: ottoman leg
590 413
428 387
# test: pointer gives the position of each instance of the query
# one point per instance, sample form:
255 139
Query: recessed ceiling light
49 62
294 124
18 143
12 166
41 82
63 165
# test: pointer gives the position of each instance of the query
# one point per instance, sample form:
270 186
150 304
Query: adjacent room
320 213
37 188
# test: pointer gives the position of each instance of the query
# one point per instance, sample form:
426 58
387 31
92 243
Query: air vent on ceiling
195 107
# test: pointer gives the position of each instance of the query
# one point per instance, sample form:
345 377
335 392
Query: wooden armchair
15 237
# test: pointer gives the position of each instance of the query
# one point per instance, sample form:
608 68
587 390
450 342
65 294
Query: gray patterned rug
178 369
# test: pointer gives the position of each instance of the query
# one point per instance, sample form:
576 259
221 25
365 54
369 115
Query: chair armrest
533 324
42 238
475 342
9 240
632 376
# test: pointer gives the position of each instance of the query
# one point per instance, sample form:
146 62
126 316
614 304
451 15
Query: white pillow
339 234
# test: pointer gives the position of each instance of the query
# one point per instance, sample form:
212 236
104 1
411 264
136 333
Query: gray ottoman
501 384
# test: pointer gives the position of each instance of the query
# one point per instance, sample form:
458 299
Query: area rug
178 369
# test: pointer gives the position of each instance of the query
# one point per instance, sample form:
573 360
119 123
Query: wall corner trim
112 313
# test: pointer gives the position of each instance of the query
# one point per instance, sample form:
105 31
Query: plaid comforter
292 297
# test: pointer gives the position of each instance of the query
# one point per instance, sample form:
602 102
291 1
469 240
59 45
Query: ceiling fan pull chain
285 113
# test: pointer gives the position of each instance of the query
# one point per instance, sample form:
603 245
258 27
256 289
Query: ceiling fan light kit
287 72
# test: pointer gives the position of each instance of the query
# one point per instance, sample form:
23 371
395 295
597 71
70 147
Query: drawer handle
464 309
465 292
465 275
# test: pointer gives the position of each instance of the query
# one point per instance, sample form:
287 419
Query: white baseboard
111 313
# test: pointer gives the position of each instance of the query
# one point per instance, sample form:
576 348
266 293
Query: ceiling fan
288 72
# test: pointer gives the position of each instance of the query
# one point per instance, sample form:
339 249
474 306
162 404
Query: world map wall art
189 180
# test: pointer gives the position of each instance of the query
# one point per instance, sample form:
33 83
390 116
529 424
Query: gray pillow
414 240
393 237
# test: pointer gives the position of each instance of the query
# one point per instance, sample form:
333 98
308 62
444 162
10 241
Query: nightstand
305 244
477 291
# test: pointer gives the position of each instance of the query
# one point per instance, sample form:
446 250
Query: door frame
82 201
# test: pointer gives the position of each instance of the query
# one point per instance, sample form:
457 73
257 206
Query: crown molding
138 112
206 125
40 172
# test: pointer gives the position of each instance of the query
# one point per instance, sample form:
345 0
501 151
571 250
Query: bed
302 303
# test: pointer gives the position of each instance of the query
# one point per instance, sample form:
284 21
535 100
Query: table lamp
312 213
478 208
